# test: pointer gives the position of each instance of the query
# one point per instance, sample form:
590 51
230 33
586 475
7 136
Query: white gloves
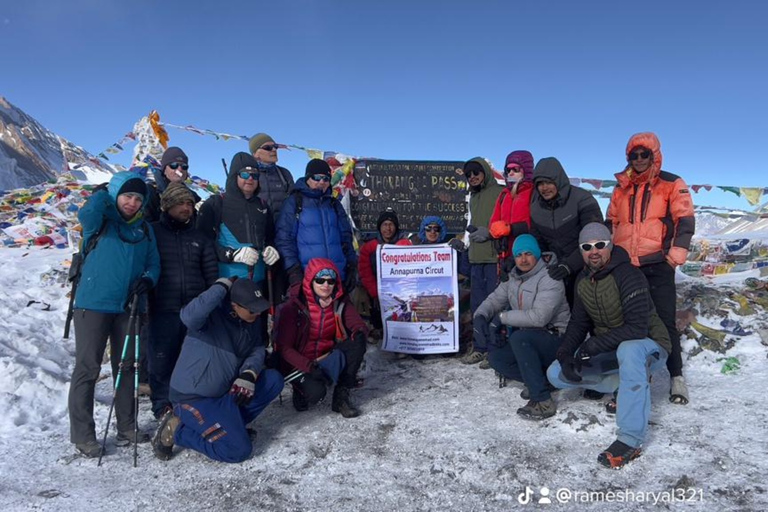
247 255
270 255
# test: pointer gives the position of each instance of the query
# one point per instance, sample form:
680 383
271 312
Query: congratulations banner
418 288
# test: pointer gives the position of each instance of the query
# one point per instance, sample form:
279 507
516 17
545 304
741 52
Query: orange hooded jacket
651 214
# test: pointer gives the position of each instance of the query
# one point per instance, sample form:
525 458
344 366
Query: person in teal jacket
123 263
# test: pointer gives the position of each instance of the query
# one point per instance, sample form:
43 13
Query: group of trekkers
560 296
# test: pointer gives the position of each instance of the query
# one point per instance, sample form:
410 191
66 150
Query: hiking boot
90 449
341 403
538 410
162 443
525 394
299 402
145 389
473 357
126 438
591 394
678 391
485 364
618 455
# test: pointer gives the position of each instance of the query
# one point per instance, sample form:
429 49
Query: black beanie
134 185
317 166
473 165
173 154
388 214
243 160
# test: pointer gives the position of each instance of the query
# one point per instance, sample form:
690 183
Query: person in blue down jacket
533 307
124 263
313 224
219 384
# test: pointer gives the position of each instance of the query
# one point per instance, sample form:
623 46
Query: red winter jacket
366 263
306 331
511 216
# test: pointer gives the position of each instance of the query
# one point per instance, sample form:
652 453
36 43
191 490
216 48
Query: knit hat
173 154
526 243
473 165
388 214
175 193
594 231
135 186
317 166
524 159
246 293
242 160
259 140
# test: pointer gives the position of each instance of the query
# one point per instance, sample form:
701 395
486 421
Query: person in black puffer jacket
188 267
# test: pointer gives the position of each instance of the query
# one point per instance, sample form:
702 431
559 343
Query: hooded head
473 167
550 169
649 141
432 220
522 158
241 162
321 268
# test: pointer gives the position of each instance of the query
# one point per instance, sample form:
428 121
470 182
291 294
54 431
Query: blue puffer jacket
124 252
321 231
217 348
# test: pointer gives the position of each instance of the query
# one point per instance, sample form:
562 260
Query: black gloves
559 272
243 388
480 331
350 281
457 245
506 266
140 286
569 370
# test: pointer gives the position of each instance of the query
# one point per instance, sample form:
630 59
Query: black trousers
661 280
314 390
92 330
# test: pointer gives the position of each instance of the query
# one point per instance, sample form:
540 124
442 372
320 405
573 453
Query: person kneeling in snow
628 344
219 384
321 336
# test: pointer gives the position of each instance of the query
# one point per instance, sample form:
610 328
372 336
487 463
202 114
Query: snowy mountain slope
435 434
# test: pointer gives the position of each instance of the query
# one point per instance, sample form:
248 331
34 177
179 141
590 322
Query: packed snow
435 434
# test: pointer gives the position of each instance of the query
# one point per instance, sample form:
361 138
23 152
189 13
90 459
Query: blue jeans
216 426
637 360
525 358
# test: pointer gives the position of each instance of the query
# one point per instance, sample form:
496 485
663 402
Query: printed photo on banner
417 292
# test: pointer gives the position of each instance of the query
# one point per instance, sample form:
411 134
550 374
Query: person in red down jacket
511 216
321 334
388 228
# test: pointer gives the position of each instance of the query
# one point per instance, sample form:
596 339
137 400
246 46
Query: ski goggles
602 244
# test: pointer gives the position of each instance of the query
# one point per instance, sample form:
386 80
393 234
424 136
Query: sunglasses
514 168
432 229
176 165
639 155
321 177
248 174
473 172
325 280
269 147
597 245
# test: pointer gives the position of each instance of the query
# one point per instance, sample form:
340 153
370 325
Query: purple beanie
524 159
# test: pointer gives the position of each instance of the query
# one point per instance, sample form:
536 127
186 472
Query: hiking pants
166 336
483 280
526 358
340 368
216 427
637 360
92 330
661 282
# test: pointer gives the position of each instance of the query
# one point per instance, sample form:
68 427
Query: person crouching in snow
629 341
219 384
321 334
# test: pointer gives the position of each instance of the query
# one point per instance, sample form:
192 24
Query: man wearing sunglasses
628 343
651 216
174 168
314 224
483 193
275 181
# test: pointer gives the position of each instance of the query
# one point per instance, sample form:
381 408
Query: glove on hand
457 245
226 282
568 368
560 272
247 255
270 255
480 235
480 331
243 388
141 286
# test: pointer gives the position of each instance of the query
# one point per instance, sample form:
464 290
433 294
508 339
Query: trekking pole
134 305
137 329
224 163
271 319
293 376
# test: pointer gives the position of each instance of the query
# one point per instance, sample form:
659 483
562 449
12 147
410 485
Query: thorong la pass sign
417 292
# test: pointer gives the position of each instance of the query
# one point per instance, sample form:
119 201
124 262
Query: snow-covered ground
435 435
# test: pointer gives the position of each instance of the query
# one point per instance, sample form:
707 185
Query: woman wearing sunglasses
651 215
174 168
321 340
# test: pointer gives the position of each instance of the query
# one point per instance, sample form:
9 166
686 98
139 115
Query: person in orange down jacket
388 227
651 216
511 216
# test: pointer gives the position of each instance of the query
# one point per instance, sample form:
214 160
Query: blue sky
407 79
